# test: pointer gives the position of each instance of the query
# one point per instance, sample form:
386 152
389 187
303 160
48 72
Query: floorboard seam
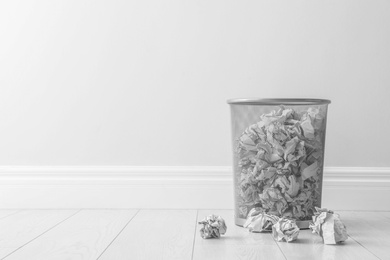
278 247
118 234
388 217
193 243
62 221
13 213
364 247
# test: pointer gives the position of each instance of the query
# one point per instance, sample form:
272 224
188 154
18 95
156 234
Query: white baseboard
348 188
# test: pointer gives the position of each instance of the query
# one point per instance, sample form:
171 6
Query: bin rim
278 101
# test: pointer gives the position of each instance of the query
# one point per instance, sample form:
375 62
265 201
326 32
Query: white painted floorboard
83 236
238 243
7 212
20 228
310 246
155 234
371 230
174 234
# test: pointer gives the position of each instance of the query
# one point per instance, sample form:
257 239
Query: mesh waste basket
278 156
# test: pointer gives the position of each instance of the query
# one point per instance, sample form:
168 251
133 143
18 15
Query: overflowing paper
328 225
285 230
280 161
259 221
213 227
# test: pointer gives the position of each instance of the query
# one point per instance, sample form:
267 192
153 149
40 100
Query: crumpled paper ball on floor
213 227
258 221
285 230
328 225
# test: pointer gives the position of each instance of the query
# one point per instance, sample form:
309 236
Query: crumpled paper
280 159
328 225
285 230
258 221
213 227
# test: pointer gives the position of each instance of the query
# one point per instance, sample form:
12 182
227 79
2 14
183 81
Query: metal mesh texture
243 116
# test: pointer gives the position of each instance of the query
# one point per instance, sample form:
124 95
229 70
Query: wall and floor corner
123 103
345 188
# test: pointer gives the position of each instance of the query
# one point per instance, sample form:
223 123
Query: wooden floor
173 234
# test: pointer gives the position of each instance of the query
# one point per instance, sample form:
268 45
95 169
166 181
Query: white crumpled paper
213 227
280 161
259 221
328 225
285 230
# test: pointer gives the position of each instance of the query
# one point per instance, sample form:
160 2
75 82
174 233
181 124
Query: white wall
145 82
